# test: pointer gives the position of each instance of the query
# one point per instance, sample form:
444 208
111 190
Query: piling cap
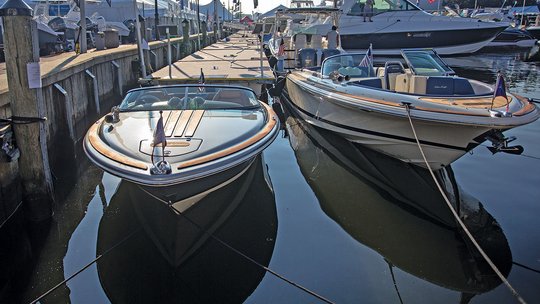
15 8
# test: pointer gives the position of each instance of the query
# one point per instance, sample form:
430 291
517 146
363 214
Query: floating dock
236 61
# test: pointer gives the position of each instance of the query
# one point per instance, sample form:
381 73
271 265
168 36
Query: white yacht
399 24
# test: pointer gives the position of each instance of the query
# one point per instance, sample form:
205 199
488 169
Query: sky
247 5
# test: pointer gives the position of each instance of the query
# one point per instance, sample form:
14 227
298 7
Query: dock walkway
235 61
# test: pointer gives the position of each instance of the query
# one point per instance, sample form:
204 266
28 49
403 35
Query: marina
210 179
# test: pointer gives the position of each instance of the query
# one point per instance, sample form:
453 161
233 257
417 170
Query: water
338 222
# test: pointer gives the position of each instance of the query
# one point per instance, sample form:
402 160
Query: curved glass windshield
382 6
347 65
189 98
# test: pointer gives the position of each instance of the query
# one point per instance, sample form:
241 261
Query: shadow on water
140 270
395 209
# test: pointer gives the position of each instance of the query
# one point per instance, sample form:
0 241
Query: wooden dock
237 61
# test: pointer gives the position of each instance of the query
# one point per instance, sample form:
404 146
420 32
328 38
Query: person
333 38
368 10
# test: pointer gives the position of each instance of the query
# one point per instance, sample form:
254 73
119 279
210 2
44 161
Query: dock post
185 37
24 82
204 34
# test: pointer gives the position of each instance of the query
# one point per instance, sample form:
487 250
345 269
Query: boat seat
402 83
316 41
300 41
307 58
391 70
235 96
418 85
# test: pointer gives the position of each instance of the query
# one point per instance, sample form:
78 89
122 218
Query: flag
431 1
109 2
500 91
367 61
159 132
255 3
281 49
201 81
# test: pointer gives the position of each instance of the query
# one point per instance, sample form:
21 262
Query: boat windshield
189 97
347 65
426 63
382 6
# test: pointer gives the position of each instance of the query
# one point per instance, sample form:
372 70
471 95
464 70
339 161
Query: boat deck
237 61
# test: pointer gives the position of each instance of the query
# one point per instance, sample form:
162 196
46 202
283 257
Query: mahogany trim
272 120
103 149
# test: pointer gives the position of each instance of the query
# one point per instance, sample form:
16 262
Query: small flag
201 81
159 132
109 2
500 91
281 49
367 61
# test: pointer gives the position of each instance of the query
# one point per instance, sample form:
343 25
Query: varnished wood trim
182 123
527 106
194 123
272 120
101 147
171 123
173 143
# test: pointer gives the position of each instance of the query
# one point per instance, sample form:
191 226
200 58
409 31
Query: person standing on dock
333 38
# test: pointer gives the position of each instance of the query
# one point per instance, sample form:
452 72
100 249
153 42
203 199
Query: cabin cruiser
396 209
372 107
181 142
401 24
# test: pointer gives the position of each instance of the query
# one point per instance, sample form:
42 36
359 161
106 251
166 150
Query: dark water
337 221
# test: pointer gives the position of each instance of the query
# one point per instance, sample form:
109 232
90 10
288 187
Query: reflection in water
395 209
138 271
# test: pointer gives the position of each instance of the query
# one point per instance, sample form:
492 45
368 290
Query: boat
402 24
368 106
395 209
513 37
179 143
211 274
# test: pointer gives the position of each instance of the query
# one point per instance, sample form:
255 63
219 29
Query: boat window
382 6
190 97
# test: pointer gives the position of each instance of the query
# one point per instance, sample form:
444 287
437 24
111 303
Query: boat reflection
139 270
395 209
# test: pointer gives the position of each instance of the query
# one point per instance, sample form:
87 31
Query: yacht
401 24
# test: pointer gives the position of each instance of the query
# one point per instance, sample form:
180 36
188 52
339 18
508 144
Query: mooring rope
12 213
86 266
277 275
456 216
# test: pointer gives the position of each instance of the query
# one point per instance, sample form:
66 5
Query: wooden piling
21 48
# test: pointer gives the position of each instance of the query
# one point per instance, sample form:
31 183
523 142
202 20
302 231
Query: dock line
456 216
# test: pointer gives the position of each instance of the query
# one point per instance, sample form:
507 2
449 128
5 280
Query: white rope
456 216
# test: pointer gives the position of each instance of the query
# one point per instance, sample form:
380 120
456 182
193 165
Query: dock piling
22 51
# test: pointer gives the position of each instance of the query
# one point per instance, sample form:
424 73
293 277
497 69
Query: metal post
139 40
156 17
21 49
169 59
82 36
